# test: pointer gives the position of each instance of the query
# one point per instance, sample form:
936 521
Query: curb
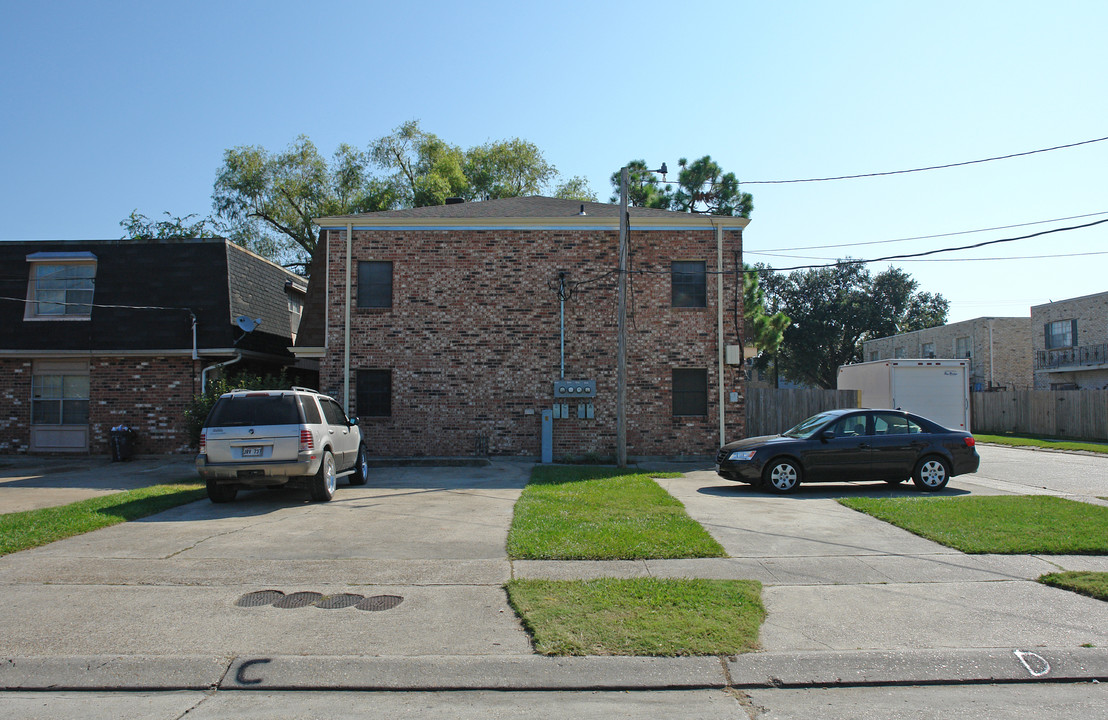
536 673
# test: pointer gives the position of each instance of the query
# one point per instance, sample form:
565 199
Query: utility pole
621 351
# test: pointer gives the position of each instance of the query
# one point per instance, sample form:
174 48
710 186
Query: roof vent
454 201
582 210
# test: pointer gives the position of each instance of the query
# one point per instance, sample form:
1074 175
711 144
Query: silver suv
265 438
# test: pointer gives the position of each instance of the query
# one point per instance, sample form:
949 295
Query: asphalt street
163 604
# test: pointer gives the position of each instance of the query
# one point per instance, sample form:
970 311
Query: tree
509 168
834 310
702 187
644 188
268 202
140 227
425 169
575 188
766 329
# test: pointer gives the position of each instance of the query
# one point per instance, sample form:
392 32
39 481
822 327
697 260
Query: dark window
333 412
374 284
374 393
690 392
688 284
1061 334
311 411
260 409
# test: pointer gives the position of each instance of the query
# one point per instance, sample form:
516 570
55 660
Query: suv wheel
361 467
221 493
324 481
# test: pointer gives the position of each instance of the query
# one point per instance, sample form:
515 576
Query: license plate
252 451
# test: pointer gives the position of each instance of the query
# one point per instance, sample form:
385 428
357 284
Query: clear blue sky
107 107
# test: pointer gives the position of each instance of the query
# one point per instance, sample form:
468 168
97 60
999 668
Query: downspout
204 372
346 330
719 328
195 355
990 354
562 304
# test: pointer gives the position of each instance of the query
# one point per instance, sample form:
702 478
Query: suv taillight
203 440
306 442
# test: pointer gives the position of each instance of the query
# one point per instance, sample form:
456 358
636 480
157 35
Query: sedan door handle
863 446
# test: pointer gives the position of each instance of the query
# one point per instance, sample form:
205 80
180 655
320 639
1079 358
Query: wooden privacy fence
1078 414
769 411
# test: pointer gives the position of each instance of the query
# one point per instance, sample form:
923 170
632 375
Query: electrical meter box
570 389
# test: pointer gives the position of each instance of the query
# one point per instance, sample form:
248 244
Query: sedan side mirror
353 421
827 435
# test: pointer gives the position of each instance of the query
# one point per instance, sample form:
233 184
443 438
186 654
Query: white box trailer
936 389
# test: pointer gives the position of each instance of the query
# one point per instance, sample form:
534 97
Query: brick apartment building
998 348
95 334
442 328
1071 343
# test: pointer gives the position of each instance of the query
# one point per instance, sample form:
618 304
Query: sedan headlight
742 455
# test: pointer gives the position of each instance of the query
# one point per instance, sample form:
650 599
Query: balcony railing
1072 357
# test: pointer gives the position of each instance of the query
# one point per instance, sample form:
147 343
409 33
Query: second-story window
374 284
60 288
1061 334
689 289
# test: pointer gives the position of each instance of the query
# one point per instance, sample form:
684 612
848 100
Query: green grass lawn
1007 524
1093 584
32 528
642 616
594 513
1042 442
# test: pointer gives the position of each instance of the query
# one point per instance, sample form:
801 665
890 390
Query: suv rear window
254 410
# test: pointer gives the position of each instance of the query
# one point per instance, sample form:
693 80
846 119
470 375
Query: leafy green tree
575 188
425 170
509 168
140 227
767 329
834 310
268 201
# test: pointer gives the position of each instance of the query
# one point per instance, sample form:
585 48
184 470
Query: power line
940 250
930 237
921 169
1012 257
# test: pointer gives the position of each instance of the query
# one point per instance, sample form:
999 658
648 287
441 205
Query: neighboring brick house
100 333
441 327
1071 343
999 349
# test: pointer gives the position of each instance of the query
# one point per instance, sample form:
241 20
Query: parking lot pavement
31 482
417 559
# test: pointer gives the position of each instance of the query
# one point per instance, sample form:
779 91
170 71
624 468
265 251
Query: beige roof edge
690 220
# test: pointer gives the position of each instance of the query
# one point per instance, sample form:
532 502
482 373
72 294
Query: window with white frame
1061 334
60 286
874 355
898 352
928 350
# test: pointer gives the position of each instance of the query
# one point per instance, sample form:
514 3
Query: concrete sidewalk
417 558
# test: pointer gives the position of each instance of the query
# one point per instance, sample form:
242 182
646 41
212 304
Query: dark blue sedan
852 445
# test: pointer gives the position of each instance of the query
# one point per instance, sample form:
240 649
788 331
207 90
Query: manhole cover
298 600
258 599
337 602
380 602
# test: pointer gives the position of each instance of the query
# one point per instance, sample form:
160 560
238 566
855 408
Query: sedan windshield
808 428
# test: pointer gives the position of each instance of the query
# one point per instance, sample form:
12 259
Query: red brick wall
148 394
15 406
472 339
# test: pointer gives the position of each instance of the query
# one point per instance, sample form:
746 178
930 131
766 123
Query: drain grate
380 602
260 598
338 602
298 600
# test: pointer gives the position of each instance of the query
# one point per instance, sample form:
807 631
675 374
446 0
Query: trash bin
123 443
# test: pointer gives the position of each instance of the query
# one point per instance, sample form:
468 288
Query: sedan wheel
931 474
781 476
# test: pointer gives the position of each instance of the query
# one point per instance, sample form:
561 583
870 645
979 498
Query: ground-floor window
374 393
690 392
59 399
